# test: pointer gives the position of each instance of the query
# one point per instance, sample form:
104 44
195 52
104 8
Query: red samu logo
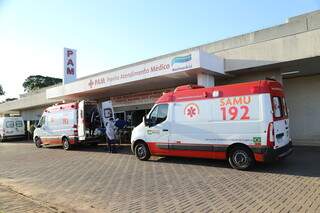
191 110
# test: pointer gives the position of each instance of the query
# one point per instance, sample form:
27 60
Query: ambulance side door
19 124
193 131
158 129
81 124
52 127
42 129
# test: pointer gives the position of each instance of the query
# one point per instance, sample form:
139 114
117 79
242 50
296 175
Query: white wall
303 100
32 114
251 76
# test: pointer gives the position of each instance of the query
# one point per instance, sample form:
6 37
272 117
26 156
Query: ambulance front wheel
241 158
142 152
37 142
66 144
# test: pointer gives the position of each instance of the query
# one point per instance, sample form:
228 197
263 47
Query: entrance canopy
163 72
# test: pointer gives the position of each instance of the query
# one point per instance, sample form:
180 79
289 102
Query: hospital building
288 53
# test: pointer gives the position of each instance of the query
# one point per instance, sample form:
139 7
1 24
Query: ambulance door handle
165 130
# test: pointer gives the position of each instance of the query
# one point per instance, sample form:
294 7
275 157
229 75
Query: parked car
244 123
11 127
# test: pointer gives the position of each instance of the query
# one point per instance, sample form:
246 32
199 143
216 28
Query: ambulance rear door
81 121
281 121
19 124
107 111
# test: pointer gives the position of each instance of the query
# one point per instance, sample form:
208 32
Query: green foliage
1 90
35 82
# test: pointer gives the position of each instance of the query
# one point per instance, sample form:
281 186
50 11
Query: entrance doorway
135 117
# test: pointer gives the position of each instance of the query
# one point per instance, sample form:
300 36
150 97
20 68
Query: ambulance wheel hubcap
241 158
141 151
65 144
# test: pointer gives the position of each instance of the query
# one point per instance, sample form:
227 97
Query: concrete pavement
91 180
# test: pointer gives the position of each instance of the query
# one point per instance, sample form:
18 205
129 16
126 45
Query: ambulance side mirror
38 125
146 121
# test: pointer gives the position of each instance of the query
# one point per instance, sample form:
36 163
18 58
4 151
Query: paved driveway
91 180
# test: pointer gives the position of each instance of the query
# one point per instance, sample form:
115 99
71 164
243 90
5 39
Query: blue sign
181 59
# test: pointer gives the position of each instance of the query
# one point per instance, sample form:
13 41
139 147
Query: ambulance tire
241 158
37 142
66 144
1 139
141 151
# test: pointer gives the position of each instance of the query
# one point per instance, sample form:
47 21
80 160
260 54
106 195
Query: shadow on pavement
305 161
193 161
122 149
15 141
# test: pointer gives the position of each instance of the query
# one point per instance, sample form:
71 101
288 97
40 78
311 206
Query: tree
1 90
35 82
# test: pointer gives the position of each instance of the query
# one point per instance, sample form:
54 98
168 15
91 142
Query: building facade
289 53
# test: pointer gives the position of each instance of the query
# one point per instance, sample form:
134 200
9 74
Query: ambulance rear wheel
241 158
66 144
142 152
1 139
37 142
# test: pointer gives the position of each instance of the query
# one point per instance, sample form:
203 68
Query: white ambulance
243 123
70 124
11 127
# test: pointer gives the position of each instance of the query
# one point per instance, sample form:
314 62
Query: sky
112 33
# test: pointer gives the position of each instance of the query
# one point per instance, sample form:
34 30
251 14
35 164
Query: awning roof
161 73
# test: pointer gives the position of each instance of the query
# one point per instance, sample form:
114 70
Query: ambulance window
18 123
42 121
277 109
284 104
154 113
9 124
162 113
159 114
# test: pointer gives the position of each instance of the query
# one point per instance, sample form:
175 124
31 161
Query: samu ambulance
71 124
244 123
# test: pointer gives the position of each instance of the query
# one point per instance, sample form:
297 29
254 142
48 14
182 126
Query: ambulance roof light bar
187 87
216 94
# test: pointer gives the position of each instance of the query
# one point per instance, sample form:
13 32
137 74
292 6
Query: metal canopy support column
205 80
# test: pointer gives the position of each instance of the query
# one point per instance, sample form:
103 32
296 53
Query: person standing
110 135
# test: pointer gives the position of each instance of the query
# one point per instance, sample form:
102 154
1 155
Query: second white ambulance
70 124
243 123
